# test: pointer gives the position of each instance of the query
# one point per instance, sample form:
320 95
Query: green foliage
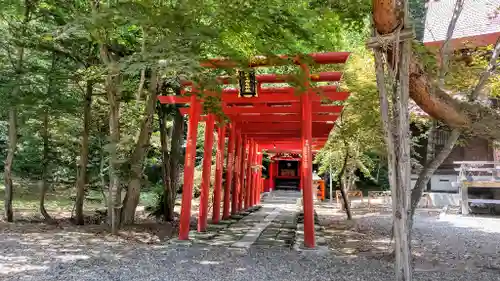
358 129
465 68
58 43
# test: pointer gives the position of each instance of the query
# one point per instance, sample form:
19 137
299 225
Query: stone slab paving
280 233
272 224
225 232
255 232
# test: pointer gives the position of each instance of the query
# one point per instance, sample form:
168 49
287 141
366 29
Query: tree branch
445 50
490 69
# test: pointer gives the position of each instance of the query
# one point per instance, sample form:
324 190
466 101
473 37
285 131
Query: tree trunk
114 192
11 147
102 174
12 143
481 120
394 96
113 96
168 190
142 81
428 170
44 185
343 188
175 160
131 199
84 155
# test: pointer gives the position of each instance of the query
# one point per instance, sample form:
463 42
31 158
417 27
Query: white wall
443 183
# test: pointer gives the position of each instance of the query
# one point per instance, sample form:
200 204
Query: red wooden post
307 188
251 148
252 175
243 148
261 179
219 166
207 169
248 174
255 179
261 187
187 189
237 162
271 176
229 172
258 179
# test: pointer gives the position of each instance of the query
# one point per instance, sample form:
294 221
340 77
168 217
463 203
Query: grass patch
27 197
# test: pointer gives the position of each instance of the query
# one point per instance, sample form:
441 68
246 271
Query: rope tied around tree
386 41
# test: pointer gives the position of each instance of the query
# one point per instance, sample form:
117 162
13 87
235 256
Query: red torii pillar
237 171
271 175
259 178
248 174
249 192
306 180
229 172
255 180
219 166
243 148
187 188
207 169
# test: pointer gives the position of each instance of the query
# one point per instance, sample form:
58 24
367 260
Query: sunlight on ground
491 225
18 265
209 262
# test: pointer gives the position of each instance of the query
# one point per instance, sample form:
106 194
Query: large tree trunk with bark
84 154
131 199
168 189
44 184
392 62
465 116
175 161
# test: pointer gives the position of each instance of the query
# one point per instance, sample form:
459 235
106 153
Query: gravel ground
441 243
69 255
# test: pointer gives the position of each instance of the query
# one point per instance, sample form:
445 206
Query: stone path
273 225
281 231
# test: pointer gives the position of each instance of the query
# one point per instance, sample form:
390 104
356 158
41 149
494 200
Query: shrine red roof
478 24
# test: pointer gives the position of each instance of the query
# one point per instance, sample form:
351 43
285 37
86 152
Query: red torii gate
275 120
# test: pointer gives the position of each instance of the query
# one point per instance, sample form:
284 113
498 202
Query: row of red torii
276 120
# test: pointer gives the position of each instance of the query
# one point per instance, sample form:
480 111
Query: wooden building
477 26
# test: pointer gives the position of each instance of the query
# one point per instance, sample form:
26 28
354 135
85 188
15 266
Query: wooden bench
377 194
476 169
386 195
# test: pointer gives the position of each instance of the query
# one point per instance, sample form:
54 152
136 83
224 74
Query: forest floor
59 205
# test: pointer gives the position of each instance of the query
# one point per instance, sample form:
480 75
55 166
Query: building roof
478 24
